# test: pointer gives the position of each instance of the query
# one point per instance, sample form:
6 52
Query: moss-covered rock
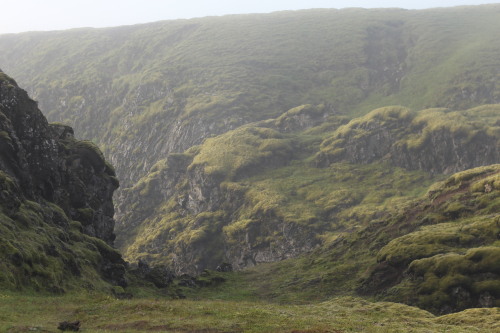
48 182
434 140
450 259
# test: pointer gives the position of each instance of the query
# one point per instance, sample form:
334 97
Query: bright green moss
388 117
485 259
455 209
442 274
235 153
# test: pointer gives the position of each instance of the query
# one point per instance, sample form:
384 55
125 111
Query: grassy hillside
263 193
438 252
251 139
145 91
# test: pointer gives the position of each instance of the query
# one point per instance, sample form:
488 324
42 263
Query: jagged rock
114 273
48 179
50 164
203 194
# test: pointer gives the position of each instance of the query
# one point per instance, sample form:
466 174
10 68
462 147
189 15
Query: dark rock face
224 267
48 163
44 164
447 152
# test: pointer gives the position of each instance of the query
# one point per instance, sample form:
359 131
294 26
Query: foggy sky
37 15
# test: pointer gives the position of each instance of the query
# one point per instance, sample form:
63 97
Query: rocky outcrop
444 248
51 180
50 164
438 141
197 209
195 190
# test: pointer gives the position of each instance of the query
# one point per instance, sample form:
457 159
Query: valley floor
100 313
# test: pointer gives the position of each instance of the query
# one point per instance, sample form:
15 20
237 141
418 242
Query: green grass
236 153
98 313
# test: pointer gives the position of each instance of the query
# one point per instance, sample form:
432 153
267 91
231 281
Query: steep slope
145 91
438 252
56 209
278 188
434 140
451 261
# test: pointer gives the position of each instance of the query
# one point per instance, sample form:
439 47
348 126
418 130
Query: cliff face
187 200
57 193
274 189
438 141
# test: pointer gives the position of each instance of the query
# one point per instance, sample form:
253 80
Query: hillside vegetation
362 146
258 194
144 91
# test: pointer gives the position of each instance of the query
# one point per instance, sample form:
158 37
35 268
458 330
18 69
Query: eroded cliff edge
56 208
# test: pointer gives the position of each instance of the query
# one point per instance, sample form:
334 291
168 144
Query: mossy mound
450 262
243 152
435 140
